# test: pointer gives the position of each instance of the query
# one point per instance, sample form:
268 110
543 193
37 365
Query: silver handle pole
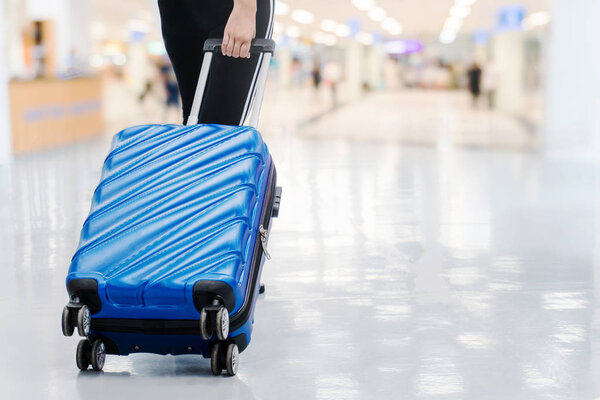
200 88
260 90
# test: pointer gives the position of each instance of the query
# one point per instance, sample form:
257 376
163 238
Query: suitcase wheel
98 355
76 315
83 321
82 357
232 359
90 353
215 365
222 324
214 319
67 326
205 326
224 356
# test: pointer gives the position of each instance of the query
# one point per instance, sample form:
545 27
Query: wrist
248 6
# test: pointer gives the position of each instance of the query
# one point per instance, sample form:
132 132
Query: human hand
240 29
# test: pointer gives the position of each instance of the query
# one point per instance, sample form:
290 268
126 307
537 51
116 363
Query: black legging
186 24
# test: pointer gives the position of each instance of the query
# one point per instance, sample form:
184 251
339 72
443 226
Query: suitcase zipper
263 241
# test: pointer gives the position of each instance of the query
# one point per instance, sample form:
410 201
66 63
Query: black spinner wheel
67 327
83 321
222 323
98 355
215 364
82 357
232 359
206 330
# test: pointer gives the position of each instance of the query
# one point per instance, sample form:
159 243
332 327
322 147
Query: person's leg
185 25
232 81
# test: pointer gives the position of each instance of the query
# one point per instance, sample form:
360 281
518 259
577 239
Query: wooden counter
47 112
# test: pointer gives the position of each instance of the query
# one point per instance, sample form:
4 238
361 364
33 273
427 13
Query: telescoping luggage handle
258 46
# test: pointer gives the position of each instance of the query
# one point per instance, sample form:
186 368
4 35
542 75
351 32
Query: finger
244 50
236 49
225 43
230 45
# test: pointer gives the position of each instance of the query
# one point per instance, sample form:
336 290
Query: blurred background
96 66
438 235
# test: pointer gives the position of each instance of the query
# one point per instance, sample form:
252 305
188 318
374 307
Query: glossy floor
398 271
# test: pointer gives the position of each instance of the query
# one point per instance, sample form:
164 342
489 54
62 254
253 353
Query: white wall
79 38
573 112
14 20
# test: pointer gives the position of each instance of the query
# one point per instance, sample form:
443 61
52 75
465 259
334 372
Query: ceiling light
331 40
453 24
281 8
395 32
96 61
377 14
364 5
465 2
119 59
539 18
328 25
303 16
402 46
392 26
459 11
325 38
319 37
342 30
447 37
293 31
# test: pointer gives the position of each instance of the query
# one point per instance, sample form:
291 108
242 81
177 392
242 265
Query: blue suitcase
171 254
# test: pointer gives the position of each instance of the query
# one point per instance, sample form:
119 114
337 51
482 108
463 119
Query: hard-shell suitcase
170 256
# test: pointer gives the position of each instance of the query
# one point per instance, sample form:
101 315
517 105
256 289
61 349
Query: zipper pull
263 241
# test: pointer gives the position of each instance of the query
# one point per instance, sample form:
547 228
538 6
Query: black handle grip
257 46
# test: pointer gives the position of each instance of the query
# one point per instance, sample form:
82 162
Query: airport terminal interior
438 236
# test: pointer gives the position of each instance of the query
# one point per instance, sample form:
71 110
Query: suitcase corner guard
206 290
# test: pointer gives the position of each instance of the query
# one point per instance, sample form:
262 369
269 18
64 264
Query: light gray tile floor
398 272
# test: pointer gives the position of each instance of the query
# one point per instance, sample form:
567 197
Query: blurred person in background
296 71
170 84
148 86
474 77
316 75
186 24
453 77
39 51
489 82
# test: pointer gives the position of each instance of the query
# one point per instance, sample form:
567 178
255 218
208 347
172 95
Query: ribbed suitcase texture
176 205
